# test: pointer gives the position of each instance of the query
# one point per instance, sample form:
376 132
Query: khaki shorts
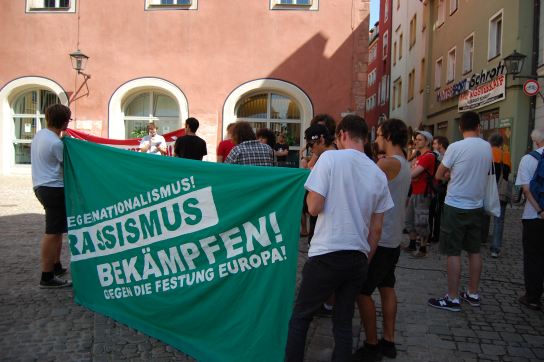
460 229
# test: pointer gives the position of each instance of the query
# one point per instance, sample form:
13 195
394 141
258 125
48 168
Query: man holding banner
47 179
350 194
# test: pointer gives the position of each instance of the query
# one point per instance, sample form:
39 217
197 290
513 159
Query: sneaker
531 305
55 283
60 272
324 312
367 353
445 303
387 348
474 299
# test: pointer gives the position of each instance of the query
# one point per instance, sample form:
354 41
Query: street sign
531 87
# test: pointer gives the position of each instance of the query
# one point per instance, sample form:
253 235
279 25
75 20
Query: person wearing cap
417 212
346 236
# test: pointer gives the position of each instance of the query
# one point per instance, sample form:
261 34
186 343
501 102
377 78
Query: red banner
131 144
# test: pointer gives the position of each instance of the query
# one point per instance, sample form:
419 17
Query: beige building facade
468 40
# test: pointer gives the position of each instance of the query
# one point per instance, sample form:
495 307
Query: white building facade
408 63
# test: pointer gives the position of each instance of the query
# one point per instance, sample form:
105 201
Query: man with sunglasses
48 182
350 194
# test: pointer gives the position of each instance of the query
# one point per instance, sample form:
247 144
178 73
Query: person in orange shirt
503 166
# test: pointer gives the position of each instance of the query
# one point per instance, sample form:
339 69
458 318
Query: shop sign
469 83
452 91
483 95
485 76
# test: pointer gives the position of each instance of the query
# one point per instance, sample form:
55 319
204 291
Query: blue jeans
342 273
498 226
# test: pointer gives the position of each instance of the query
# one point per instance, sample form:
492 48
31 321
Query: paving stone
469 347
491 349
47 325
521 352
537 341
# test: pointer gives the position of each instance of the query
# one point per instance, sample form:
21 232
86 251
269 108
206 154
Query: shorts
52 200
381 271
460 229
417 214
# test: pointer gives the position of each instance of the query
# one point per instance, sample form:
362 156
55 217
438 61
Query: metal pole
534 62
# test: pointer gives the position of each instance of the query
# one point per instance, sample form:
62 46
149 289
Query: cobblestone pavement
47 325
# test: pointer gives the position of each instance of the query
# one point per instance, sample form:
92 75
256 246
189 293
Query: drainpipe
534 63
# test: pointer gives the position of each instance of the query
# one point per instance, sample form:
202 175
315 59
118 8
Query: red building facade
379 67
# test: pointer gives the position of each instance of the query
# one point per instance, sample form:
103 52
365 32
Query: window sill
51 10
465 72
275 5
449 81
169 7
493 57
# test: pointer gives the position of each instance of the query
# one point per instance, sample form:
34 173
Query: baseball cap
427 135
315 131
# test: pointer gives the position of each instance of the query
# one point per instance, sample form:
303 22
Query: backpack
434 187
536 186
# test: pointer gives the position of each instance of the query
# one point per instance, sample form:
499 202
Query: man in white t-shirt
350 194
533 228
153 143
46 154
466 163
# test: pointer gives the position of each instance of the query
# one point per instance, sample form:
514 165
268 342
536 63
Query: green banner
200 255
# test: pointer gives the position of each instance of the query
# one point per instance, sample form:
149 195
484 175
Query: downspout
534 63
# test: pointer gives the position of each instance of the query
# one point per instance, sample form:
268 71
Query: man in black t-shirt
281 150
190 146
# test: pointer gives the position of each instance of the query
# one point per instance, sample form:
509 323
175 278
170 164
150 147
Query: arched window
150 106
272 110
28 118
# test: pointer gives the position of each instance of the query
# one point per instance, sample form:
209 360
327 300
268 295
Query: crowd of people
360 200
242 145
